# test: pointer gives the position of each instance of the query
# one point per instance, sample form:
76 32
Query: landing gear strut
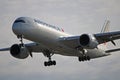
22 44
21 40
48 54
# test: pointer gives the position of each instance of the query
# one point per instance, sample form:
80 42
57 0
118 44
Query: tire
54 62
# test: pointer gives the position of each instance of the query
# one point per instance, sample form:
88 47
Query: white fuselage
45 35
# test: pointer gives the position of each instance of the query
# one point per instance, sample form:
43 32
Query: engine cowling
19 52
88 41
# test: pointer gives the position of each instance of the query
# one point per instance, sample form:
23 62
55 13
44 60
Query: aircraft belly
92 53
95 53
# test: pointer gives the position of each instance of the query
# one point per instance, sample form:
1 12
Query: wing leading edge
108 36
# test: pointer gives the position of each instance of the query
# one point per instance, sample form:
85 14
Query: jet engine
88 41
18 51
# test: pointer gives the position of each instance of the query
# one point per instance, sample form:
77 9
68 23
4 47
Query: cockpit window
17 21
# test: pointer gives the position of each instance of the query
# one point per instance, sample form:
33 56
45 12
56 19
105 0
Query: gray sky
76 17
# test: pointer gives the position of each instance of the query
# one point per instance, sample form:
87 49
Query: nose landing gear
22 45
21 40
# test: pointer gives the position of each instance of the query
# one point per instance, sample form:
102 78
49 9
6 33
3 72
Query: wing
33 47
5 49
108 36
112 50
73 41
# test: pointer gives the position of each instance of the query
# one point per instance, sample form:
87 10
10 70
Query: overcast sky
76 17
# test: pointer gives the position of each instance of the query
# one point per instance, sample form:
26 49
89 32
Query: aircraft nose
17 25
22 24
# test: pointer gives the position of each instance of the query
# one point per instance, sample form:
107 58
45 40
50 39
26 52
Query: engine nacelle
19 52
88 41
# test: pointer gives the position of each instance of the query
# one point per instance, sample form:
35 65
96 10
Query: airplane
50 40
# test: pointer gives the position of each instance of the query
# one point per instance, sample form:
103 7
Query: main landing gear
48 54
84 57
